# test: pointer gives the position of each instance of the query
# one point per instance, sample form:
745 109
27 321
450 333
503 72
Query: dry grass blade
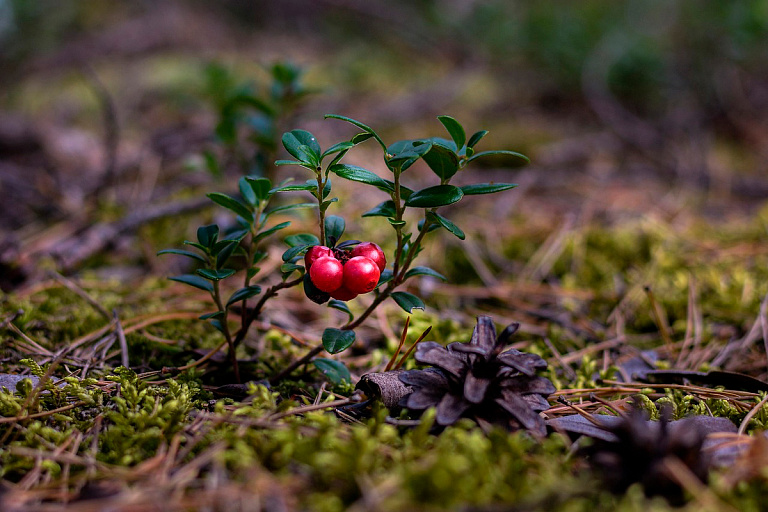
751 414
399 345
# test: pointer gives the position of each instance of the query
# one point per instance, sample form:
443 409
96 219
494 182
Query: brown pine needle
399 345
413 347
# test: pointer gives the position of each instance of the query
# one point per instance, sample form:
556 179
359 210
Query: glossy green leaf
289 207
291 253
442 159
215 275
408 301
232 204
302 239
223 254
336 372
246 191
454 128
263 234
385 277
244 293
336 148
498 152
295 139
261 187
447 224
354 173
341 306
385 209
197 246
424 271
334 228
289 268
475 138
310 185
360 125
404 153
486 188
181 252
193 280
432 197
396 223
207 235
215 314
337 340
280 163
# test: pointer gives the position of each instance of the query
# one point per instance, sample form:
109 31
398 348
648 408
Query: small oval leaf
233 205
432 197
193 280
215 275
486 188
447 224
337 340
341 306
244 293
424 271
181 252
408 301
334 370
334 228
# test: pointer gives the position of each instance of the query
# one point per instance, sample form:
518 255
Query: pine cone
477 380
640 452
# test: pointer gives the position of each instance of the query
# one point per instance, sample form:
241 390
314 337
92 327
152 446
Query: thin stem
253 314
320 188
299 362
398 218
225 327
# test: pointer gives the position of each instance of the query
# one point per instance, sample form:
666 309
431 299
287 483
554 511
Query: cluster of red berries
343 274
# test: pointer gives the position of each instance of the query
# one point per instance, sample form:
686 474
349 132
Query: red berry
361 274
327 273
315 252
372 251
343 294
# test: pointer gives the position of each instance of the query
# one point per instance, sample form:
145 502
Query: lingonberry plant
333 271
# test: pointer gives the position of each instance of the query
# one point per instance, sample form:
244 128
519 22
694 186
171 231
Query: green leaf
450 226
181 252
334 370
263 234
337 340
258 256
310 185
336 148
223 254
279 163
385 277
246 191
302 239
360 125
354 173
328 203
288 207
216 323
207 235
334 228
212 163
327 188
498 152
385 209
307 155
408 301
457 132
396 223
289 268
486 188
475 138
294 139
244 293
442 159
424 271
215 275
432 197
404 153
261 187
197 245
208 316
360 137
232 204
341 306
291 253
193 280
